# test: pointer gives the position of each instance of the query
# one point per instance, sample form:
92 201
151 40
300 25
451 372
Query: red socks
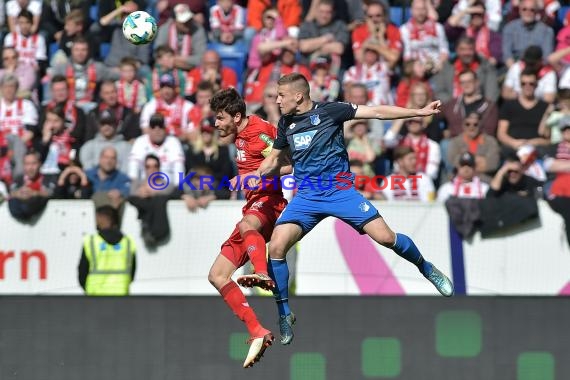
235 299
254 245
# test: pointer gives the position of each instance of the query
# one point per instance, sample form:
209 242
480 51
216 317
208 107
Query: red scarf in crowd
91 85
421 147
468 189
5 160
226 21
459 67
63 142
418 31
130 102
482 39
186 47
34 184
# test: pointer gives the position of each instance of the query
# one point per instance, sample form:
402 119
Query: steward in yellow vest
108 259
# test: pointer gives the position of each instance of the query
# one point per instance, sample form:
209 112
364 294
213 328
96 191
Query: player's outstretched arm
392 112
271 166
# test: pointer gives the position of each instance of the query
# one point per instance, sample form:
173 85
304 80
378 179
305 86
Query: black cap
532 54
108 118
157 120
467 159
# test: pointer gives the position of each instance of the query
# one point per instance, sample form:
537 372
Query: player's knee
277 250
385 237
217 278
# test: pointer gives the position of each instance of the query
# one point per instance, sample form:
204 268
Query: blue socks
279 272
405 247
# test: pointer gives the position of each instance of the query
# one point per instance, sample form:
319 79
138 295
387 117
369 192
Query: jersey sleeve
341 111
281 140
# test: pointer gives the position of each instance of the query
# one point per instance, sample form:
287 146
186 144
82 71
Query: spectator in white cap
185 36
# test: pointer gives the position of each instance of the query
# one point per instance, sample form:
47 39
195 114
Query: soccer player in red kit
253 139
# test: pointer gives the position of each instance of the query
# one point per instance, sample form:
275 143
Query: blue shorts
347 205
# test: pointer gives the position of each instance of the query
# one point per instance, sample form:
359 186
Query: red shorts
267 209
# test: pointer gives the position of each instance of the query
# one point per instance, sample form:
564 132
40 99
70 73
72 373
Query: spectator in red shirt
377 34
258 79
211 70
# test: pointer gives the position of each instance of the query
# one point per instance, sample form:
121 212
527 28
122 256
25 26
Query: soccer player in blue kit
314 134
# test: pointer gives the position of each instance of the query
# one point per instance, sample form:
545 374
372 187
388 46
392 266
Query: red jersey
253 144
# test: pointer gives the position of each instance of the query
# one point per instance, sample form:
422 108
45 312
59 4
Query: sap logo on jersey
303 140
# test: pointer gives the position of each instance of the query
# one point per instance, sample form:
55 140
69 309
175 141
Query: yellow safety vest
110 266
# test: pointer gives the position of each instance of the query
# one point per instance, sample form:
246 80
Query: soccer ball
139 28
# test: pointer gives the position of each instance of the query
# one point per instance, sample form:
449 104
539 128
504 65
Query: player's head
230 111
293 91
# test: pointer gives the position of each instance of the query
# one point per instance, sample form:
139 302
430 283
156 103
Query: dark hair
297 80
152 157
205 86
511 156
473 114
564 94
35 153
465 40
129 61
80 39
528 71
158 120
58 79
402 151
202 170
162 50
327 2
356 163
58 109
229 101
27 14
468 71
107 82
108 212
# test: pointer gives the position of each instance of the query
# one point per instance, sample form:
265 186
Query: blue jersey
318 151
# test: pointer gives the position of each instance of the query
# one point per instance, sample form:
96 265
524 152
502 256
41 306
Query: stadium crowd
85 114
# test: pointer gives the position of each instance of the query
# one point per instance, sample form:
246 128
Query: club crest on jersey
364 207
315 120
303 140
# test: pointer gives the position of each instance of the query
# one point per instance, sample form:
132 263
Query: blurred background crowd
84 114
